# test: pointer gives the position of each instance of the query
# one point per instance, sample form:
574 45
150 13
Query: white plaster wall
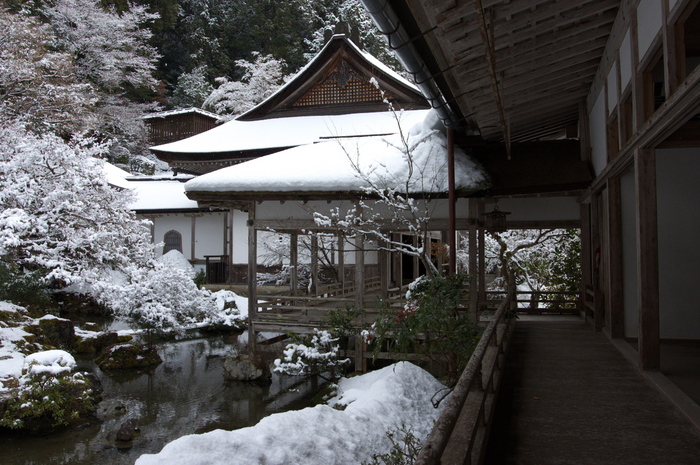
629 254
613 96
649 22
679 254
539 208
179 223
625 61
240 237
599 145
209 235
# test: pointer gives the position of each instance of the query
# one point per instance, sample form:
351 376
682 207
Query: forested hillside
97 66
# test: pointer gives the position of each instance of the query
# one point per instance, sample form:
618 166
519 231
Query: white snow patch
49 361
376 402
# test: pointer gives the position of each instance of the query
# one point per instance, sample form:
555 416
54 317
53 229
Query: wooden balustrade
460 432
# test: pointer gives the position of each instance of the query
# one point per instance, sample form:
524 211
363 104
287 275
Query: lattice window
173 241
343 85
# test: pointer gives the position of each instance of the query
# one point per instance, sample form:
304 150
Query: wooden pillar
396 262
586 254
452 230
647 259
359 271
252 276
472 252
193 237
314 264
293 263
384 268
359 265
481 233
341 260
614 303
416 260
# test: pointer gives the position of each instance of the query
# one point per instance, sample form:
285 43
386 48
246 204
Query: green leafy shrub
405 447
430 323
23 288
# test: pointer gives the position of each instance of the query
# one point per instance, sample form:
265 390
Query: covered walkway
569 397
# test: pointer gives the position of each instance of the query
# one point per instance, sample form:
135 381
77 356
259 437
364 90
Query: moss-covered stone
95 344
128 355
53 331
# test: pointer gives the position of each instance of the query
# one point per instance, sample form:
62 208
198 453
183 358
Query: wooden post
416 260
293 262
314 264
614 303
482 255
452 200
341 260
397 262
359 271
252 276
472 252
586 256
384 269
647 259
359 265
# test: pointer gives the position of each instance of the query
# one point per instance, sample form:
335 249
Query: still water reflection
186 394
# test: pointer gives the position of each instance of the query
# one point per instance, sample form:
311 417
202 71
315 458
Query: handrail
434 448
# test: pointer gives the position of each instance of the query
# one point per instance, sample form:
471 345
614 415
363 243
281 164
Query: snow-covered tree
39 83
192 89
261 77
111 49
61 219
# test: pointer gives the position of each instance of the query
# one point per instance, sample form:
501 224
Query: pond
186 394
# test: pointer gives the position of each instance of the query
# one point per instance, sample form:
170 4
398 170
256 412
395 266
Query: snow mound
375 403
175 259
50 361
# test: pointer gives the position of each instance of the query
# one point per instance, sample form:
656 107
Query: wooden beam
647 259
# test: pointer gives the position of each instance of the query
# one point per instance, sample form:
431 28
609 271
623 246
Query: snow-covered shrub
228 315
311 357
49 395
156 297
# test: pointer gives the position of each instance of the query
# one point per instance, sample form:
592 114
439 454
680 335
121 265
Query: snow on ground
351 165
49 361
375 402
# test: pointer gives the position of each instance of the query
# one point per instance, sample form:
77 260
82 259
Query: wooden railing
460 432
556 302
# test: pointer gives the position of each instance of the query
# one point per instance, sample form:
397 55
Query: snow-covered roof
160 195
237 135
351 165
116 176
181 111
152 192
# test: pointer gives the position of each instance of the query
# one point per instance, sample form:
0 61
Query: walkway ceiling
513 70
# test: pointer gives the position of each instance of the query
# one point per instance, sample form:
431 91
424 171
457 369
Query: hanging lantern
495 221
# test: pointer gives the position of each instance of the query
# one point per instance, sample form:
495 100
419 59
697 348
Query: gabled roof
337 94
337 81
182 111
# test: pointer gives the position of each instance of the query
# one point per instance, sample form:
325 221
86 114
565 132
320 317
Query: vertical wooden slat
615 301
452 232
472 252
647 259
359 265
293 262
341 260
586 253
314 264
481 233
252 275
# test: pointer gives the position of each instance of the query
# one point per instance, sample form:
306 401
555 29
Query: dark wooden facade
176 125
